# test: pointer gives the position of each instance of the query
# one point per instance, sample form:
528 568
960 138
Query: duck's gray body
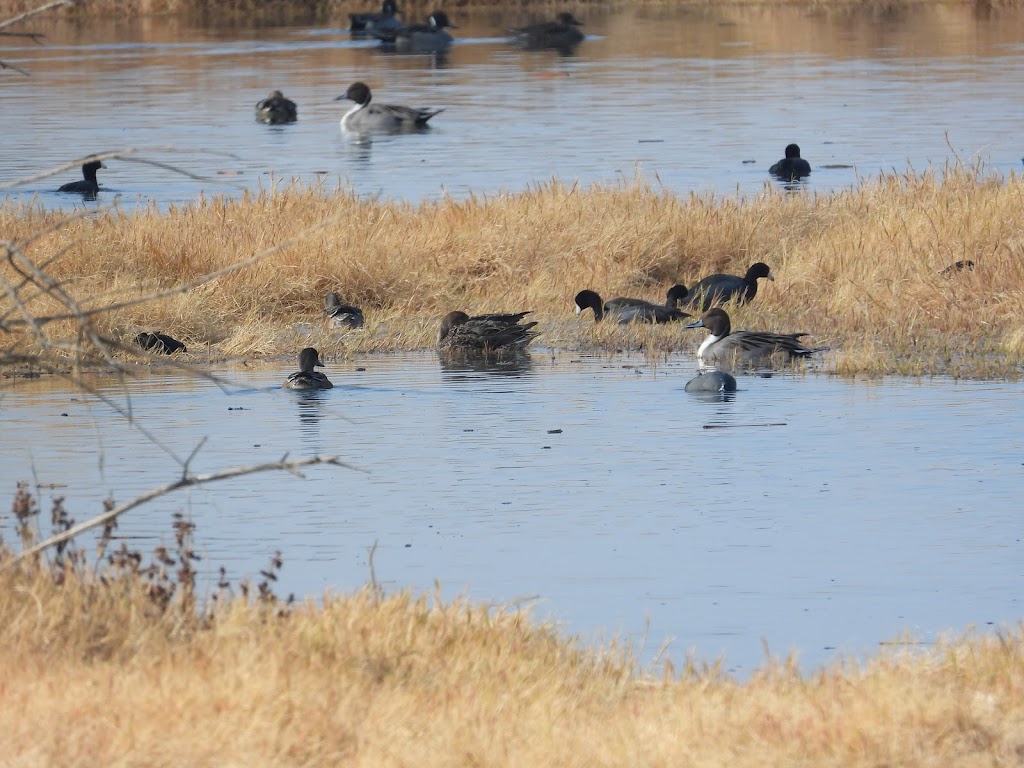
306 378
723 346
276 109
342 315
484 333
432 37
712 381
625 310
366 117
368 23
718 289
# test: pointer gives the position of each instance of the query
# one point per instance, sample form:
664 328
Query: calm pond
809 513
698 100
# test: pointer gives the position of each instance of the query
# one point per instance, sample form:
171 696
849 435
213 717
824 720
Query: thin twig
35 11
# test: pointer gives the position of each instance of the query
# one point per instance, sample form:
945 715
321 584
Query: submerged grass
861 269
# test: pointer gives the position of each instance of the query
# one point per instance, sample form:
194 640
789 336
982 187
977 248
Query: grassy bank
862 270
116 672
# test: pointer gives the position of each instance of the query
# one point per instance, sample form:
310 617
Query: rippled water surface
697 100
808 513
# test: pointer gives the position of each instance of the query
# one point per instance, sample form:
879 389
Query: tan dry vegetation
94 673
859 269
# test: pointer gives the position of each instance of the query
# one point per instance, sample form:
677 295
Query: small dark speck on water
408 546
63 414
467 430
554 431
360 368
545 447
650 141
257 445
237 408
749 162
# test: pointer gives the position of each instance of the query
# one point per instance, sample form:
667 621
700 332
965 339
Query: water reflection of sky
811 513
695 101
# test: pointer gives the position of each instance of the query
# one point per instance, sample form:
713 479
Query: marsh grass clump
864 271
111 663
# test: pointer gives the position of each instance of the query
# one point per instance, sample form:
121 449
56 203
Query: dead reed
119 663
862 269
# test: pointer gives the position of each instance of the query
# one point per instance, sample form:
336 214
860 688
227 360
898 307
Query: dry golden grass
859 269
92 673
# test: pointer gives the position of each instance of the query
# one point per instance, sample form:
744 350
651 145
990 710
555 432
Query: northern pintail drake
432 37
624 310
563 34
276 109
792 167
725 346
718 289
712 381
306 377
88 185
484 333
386 20
364 116
159 342
340 315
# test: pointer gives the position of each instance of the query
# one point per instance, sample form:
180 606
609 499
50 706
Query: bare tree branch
185 481
35 11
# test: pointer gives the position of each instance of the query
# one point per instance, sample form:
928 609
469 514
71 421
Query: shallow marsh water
697 100
809 513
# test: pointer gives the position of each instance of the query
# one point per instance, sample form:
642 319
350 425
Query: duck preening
340 315
624 310
724 346
276 109
306 377
485 333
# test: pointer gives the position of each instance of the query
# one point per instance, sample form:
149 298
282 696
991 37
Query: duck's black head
357 92
792 151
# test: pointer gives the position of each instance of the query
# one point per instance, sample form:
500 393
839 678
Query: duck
485 333
306 377
712 381
625 310
340 315
792 167
365 116
432 37
371 22
160 342
562 34
88 185
723 345
276 109
718 289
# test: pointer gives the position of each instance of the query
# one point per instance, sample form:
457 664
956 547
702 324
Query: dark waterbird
485 333
385 20
276 109
340 315
712 381
563 34
725 346
159 342
792 167
718 289
88 185
306 377
432 37
624 310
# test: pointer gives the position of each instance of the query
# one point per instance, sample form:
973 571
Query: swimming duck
159 342
712 381
563 34
365 116
431 37
718 289
88 185
306 377
484 333
276 109
726 346
792 167
371 22
625 310
341 315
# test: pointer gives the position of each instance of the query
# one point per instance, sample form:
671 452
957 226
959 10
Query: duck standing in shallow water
432 37
365 117
563 34
276 109
386 20
484 333
718 289
724 346
623 310
306 378
88 185
792 167
341 315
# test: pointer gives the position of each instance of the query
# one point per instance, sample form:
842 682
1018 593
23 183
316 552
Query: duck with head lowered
624 310
484 333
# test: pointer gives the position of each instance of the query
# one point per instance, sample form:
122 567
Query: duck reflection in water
470 367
